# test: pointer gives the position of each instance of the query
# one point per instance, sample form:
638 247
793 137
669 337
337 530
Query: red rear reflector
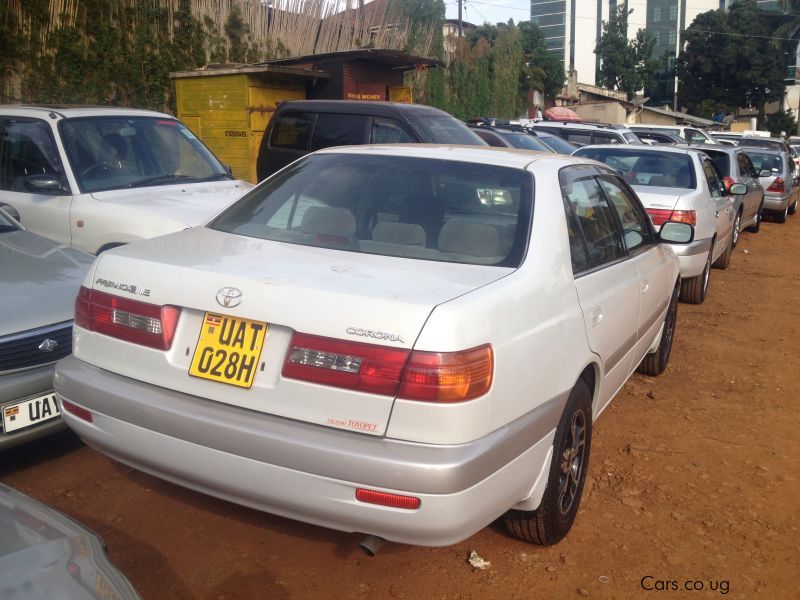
130 320
659 216
777 185
78 411
384 499
351 365
448 376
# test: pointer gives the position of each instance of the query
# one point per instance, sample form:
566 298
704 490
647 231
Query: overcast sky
492 11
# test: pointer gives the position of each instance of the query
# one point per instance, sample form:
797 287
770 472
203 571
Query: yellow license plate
228 350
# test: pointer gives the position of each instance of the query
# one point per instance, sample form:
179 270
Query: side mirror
44 184
11 212
737 189
675 232
765 173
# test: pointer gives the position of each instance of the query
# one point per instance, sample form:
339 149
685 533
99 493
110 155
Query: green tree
543 70
730 61
625 65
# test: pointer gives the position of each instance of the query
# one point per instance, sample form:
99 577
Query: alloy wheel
572 464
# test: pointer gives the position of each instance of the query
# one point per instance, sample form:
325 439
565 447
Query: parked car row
406 341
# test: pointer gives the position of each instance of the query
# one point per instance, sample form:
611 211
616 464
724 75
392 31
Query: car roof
645 148
360 107
762 150
65 111
501 157
713 148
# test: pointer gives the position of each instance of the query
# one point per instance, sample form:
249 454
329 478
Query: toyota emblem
229 297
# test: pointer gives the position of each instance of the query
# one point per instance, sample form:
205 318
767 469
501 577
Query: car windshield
397 206
769 162
526 142
556 143
7 223
647 167
445 130
108 153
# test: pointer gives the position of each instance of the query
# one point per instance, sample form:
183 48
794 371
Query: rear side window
387 131
746 167
594 220
292 131
723 162
339 130
398 206
714 184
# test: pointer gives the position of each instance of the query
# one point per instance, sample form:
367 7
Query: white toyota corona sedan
407 342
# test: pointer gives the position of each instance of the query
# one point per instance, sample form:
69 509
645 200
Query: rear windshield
397 206
770 162
647 168
444 130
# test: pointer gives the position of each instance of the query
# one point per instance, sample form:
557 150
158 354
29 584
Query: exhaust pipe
371 544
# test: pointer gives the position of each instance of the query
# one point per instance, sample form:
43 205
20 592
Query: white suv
583 134
96 178
394 340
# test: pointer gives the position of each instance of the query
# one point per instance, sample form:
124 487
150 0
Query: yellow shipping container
229 108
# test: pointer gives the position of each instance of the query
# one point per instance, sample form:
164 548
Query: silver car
735 166
40 280
680 184
776 172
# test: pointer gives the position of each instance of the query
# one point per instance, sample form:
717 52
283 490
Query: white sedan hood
331 293
190 203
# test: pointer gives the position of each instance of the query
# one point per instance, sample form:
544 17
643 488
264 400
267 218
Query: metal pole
460 26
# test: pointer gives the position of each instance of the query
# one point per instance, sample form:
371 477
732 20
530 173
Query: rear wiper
161 179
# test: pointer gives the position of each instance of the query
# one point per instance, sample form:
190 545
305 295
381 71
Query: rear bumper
692 257
22 385
778 203
308 472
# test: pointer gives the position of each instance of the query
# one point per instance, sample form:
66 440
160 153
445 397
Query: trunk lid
335 294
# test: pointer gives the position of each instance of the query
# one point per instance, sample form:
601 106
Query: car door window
26 148
387 131
594 219
601 137
339 130
714 184
292 131
635 222
579 136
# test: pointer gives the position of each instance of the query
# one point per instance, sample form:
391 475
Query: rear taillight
777 185
351 365
448 376
660 216
425 376
130 320
728 182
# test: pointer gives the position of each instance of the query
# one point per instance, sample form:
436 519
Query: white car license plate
30 412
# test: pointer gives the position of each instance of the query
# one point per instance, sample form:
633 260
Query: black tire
549 523
724 259
754 228
781 217
694 289
655 363
737 225
793 208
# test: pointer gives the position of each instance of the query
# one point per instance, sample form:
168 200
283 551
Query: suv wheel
550 522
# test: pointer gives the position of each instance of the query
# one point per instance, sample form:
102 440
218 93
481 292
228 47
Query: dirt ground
692 484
